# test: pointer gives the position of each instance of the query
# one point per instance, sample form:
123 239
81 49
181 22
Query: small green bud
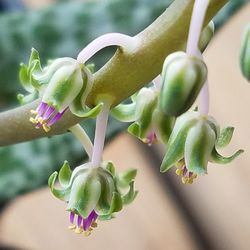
245 54
182 79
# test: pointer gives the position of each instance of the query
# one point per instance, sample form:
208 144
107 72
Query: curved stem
196 24
110 39
100 132
84 139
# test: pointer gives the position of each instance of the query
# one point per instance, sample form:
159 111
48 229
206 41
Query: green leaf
225 137
111 168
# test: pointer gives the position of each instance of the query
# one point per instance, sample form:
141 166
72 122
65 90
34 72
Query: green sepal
106 217
198 147
62 194
87 112
125 112
130 195
245 54
24 99
65 174
116 203
218 158
224 137
126 177
110 168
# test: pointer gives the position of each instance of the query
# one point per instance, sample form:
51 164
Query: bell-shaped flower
193 143
149 122
93 193
63 84
182 79
245 54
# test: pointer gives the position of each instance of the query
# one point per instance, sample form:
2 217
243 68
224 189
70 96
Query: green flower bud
182 79
245 54
93 192
149 122
192 145
206 36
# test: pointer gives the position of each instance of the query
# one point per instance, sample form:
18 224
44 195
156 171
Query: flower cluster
92 193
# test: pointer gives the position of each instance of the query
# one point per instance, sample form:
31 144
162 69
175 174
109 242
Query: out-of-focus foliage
61 30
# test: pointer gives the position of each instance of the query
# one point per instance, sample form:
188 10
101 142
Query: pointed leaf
116 203
126 177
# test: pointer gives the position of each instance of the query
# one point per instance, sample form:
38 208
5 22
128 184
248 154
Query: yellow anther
179 171
184 180
87 233
145 140
78 230
33 112
46 128
190 181
179 164
72 227
33 120
94 224
194 176
40 120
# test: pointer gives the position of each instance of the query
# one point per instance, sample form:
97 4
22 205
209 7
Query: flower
150 124
93 193
192 144
63 84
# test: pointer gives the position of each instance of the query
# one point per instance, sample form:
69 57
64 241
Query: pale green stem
84 139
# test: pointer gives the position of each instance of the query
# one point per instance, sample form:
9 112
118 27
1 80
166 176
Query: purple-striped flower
68 84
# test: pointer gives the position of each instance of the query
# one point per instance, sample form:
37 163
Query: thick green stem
123 75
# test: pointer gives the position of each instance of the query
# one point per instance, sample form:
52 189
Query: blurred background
213 213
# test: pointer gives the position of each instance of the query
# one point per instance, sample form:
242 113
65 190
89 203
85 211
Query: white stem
204 99
100 132
198 15
109 39
82 136
157 82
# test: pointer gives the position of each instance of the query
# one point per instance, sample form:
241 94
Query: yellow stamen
46 128
33 112
190 181
184 180
78 230
179 172
72 227
94 224
87 233
33 120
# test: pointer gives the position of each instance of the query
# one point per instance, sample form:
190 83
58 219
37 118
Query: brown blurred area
213 213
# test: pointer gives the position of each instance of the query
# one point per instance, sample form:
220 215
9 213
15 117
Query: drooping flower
150 124
193 143
93 193
63 84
